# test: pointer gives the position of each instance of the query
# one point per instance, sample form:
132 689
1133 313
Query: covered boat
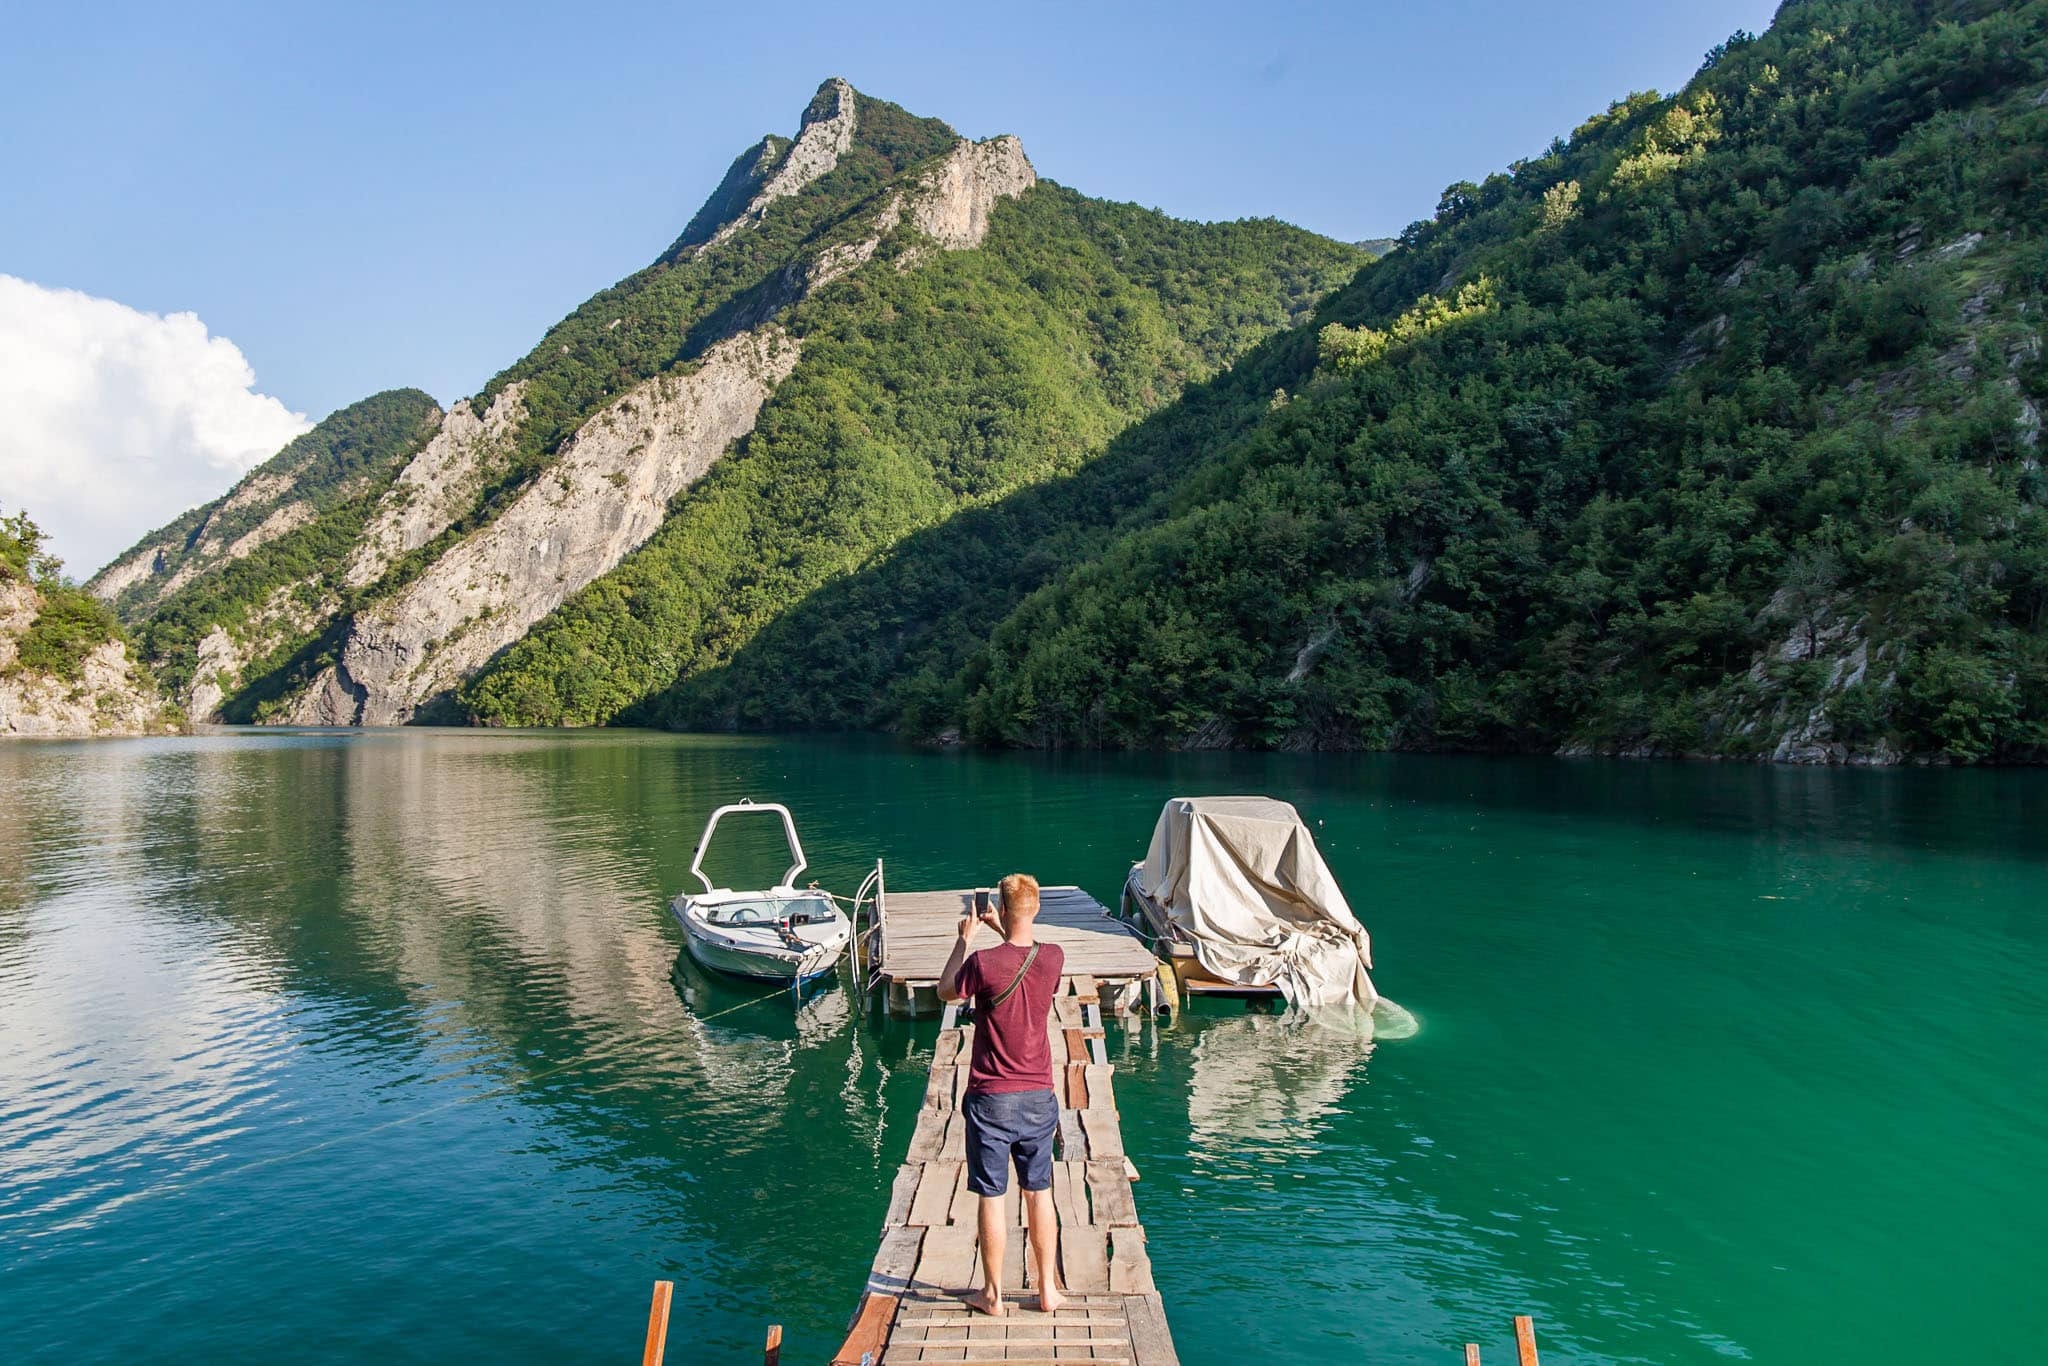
783 934
1236 896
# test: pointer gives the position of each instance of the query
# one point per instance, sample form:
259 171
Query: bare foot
1050 1300
987 1301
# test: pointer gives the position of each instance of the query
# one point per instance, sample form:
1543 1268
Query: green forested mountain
921 393
260 566
1713 429
867 328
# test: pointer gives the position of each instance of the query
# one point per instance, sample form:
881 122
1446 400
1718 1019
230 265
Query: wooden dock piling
657 1324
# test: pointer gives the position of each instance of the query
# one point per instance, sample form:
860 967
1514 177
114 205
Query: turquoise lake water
333 1047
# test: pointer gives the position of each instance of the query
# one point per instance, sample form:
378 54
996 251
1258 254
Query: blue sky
373 195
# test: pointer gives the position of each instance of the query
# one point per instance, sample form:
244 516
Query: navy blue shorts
1010 1126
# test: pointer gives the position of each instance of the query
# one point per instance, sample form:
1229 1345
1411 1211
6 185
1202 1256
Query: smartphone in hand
981 901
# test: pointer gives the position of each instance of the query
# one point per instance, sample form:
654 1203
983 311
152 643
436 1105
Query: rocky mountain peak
825 136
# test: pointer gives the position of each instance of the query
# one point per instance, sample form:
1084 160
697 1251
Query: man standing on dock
1010 1109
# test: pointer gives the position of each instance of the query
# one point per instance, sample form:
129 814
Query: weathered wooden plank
1074 1077
938 1088
657 1324
921 928
966 1204
1073 1141
1151 1341
954 1146
1099 1074
1471 1354
901 1194
946 1259
929 1137
1105 1135
870 1330
934 1202
1084 1259
1525 1340
1077 1046
982 1335
896 1261
1130 1266
1085 987
1101 1312
1109 1196
1067 1010
1070 1194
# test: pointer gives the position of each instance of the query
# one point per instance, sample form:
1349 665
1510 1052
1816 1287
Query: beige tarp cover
1243 878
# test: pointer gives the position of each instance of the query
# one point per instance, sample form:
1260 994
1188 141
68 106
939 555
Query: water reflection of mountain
1261 1087
305 966
504 889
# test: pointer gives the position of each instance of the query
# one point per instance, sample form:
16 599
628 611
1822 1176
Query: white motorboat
784 934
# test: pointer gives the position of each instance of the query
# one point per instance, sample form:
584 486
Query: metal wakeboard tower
749 806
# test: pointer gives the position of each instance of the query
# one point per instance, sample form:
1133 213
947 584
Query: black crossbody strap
1018 981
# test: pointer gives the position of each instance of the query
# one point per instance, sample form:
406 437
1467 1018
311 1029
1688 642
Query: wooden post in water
657 1324
771 1355
1471 1354
1525 1340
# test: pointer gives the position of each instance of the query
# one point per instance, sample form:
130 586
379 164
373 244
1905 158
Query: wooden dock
913 933
912 1309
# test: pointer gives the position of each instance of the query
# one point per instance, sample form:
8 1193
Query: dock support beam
657 1324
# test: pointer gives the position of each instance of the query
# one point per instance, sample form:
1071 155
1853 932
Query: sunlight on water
337 1046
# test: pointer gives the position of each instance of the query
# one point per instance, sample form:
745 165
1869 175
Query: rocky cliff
605 495
608 487
383 601
338 459
258 573
99 691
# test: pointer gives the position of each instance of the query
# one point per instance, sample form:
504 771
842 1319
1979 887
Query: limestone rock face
254 491
117 577
816 152
437 485
220 665
223 658
950 204
607 494
105 699
954 204
283 518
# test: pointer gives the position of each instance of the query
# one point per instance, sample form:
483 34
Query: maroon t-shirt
1011 1052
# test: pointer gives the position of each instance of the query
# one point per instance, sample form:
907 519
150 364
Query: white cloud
114 421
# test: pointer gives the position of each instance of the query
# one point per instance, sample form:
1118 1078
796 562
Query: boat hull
752 954
760 967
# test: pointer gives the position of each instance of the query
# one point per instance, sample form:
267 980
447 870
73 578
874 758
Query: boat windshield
766 910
